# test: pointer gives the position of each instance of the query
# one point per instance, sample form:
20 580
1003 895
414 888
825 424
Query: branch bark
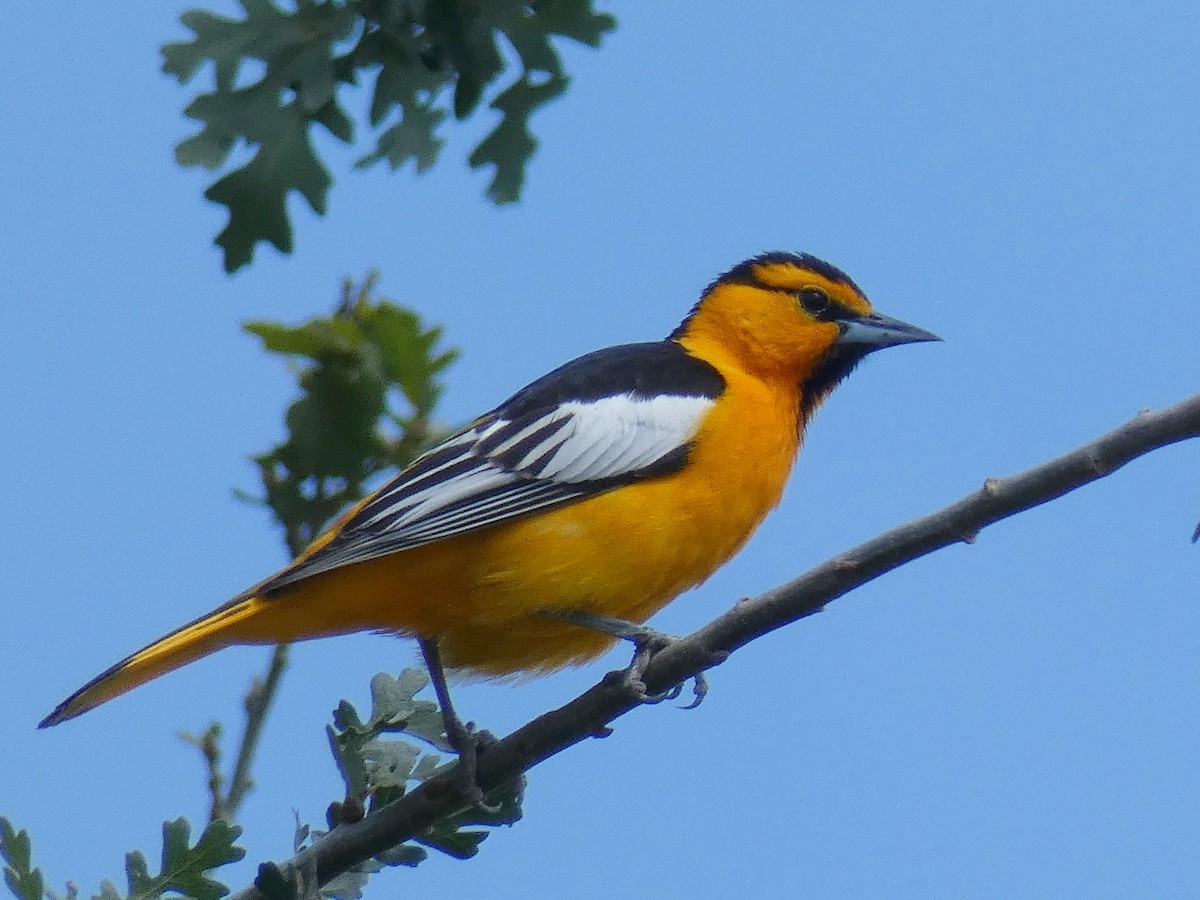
589 714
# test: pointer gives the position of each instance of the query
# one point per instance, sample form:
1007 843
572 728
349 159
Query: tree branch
589 714
257 703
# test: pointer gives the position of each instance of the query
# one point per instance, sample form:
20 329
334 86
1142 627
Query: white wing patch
614 436
502 468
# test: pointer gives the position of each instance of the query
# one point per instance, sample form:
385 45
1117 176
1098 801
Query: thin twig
589 714
209 745
257 703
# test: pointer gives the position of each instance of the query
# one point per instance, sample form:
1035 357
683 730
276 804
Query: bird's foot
462 737
467 742
646 642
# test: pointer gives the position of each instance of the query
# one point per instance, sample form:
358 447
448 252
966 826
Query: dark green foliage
369 378
512 140
17 852
428 58
370 362
451 836
184 869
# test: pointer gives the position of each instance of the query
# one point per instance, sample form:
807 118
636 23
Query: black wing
603 420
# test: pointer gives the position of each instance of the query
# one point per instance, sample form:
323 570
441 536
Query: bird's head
791 316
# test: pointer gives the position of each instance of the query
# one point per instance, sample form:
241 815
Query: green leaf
209 148
427 766
137 874
511 144
217 39
369 376
403 79
295 45
15 846
389 763
347 756
392 699
408 351
458 844
358 363
573 19
369 765
394 707
451 834
429 57
256 194
349 884
403 855
332 426
414 137
346 716
274 113
410 682
318 339
250 114
464 38
25 882
383 769
526 31
335 120
184 867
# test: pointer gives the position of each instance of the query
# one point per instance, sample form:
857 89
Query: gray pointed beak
875 331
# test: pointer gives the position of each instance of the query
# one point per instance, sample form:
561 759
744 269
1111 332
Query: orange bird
603 489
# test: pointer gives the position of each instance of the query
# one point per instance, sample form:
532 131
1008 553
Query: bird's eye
815 302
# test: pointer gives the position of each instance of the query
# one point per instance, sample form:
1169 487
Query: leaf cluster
370 766
183 870
378 771
369 378
427 59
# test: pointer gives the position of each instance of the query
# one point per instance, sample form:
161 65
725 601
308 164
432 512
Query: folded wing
502 468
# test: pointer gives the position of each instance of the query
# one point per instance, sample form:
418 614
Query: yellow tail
205 635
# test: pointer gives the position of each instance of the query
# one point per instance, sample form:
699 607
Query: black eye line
828 310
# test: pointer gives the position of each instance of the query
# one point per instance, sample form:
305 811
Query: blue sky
1014 718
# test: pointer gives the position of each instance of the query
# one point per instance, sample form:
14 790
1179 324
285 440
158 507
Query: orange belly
624 553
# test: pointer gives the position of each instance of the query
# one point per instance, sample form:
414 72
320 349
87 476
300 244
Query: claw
646 642
699 691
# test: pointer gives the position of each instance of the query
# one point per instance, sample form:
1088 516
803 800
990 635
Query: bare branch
589 714
257 703
209 745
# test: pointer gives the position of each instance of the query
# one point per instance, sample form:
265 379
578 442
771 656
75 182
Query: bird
593 496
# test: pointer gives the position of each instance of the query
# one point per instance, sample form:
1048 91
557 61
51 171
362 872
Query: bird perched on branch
596 494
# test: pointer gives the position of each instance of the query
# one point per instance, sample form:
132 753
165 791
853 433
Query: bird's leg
462 737
646 642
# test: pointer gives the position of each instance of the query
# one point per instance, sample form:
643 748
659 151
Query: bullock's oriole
606 487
